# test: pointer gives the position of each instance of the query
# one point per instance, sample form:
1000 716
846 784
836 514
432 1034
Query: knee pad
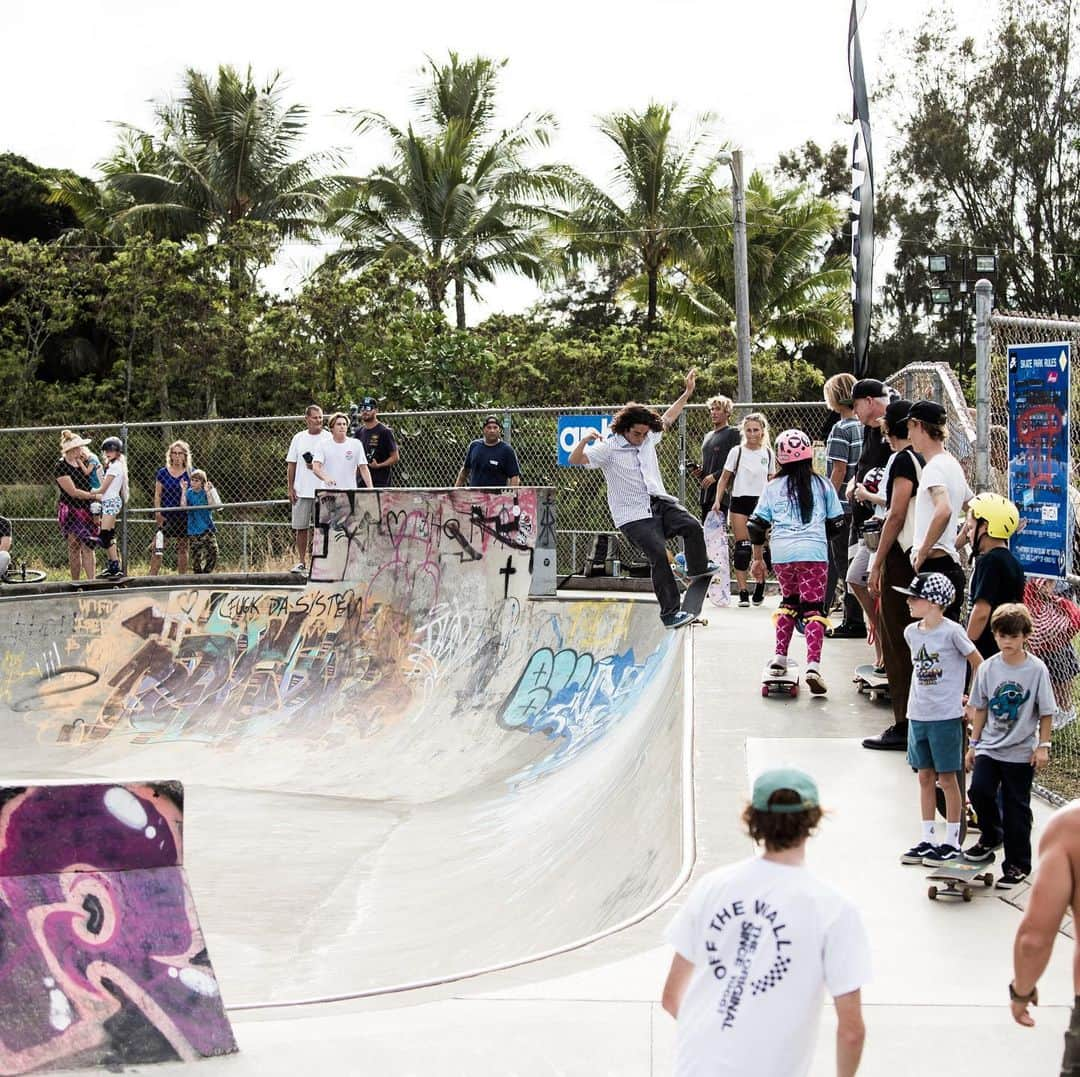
5 562
743 553
789 607
105 537
813 611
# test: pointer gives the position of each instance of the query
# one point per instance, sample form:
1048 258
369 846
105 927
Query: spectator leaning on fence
380 447
489 461
77 523
5 546
167 492
303 481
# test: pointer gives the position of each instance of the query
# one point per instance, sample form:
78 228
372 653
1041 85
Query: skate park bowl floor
389 784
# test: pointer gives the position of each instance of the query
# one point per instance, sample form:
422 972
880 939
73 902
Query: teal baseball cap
771 781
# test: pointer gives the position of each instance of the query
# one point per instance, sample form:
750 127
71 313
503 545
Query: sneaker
1010 877
779 663
676 620
759 593
880 671
299 569
893 739
744 599
941 854
915 854
815 681
979 853
846 631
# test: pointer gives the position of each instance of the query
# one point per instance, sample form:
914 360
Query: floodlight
938 263
941 297
985 263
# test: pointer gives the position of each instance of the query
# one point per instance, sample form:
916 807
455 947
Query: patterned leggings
806 579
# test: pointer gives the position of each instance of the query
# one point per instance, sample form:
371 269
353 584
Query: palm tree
457 197
663 187
224 152
797 295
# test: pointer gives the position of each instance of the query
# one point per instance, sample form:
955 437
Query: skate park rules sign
1039 456
572 428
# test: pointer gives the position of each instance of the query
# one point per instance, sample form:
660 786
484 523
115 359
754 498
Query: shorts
936 745
303 513
743 506
175 525
77 520
112 506
858 571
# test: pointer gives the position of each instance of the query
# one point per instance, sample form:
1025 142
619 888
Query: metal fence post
682 456
123 511
984 300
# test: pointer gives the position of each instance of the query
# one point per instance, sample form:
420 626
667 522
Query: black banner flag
862 203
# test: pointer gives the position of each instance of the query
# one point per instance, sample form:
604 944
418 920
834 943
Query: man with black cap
378 441
489 461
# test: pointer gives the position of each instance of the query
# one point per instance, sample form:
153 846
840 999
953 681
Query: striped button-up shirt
632 473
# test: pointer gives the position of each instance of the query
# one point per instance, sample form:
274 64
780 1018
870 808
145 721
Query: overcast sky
773 73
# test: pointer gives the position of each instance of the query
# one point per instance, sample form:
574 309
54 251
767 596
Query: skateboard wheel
932 893
793 691
703 620
988 879
765 690
966 893
873 695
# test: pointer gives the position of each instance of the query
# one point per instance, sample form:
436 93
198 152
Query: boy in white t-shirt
338 461
757 945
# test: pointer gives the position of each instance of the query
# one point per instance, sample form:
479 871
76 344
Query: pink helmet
793 445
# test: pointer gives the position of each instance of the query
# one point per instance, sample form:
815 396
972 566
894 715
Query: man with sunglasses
380 447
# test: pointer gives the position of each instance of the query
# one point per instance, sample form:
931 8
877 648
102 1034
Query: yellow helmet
1000 514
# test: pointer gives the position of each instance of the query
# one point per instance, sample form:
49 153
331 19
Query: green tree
661 189
459 198
25 209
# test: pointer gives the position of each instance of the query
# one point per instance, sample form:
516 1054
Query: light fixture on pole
744 385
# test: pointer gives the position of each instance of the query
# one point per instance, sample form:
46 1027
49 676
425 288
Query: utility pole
744 390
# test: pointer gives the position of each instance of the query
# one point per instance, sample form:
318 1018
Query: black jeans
892 619
948 567
668 519
1014 781
838 565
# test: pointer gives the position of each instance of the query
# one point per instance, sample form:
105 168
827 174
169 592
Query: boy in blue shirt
940 653
200 522
1012 705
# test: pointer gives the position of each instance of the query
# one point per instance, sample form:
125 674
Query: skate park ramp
406 771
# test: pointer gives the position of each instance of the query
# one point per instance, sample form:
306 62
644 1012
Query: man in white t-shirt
757 945
940 501
302 480
340 460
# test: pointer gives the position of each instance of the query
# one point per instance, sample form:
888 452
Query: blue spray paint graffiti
573 698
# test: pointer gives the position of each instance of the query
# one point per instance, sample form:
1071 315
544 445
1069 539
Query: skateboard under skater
875 685
774 682
958 878
694 597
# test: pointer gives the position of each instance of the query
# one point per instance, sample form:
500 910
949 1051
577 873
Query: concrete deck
940 973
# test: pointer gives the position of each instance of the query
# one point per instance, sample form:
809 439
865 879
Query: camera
307 458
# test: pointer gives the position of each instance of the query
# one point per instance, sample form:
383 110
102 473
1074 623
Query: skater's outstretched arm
672 414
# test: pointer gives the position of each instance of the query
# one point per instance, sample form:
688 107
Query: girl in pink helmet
801 508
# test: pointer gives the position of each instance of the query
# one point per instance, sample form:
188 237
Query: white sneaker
779 664
815 681
299 569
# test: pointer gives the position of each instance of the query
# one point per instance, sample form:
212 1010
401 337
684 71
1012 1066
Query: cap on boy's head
928 411
795 781
489 419
868 387
932 586
368 403
896 416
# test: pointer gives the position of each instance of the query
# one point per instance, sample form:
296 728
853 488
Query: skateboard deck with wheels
776 683
958 879
874 685
716 546
694 597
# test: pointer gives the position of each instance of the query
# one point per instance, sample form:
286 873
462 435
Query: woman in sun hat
73 514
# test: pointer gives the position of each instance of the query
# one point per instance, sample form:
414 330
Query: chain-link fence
245 460
1054 605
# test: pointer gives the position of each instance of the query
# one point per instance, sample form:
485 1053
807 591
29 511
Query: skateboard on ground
874 685
774 682
716 546
958 878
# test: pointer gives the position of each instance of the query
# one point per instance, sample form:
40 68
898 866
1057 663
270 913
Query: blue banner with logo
1039 455
572 428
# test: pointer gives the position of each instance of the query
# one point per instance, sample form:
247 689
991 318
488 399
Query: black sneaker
844 630
915 854
979 853
1010 877
744 599
942 854
759 594
677 619
893 739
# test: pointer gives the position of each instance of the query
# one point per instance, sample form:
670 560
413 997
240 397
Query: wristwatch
1033 997
1045 744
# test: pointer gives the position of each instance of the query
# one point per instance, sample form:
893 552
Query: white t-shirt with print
340 459
752 468
118 485
306 481
943 470
767 940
